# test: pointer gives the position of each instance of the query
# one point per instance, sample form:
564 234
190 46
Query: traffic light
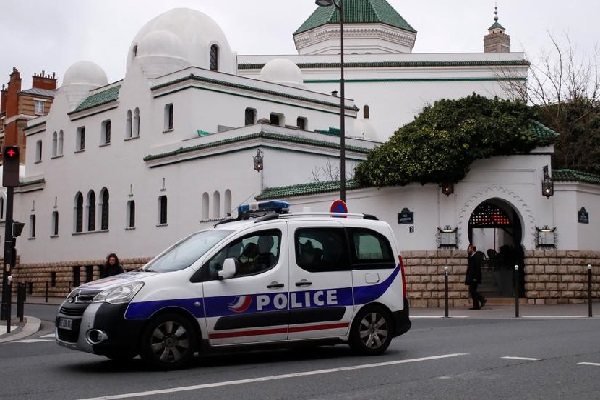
10 169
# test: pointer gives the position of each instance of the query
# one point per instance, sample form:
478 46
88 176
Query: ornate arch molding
501 193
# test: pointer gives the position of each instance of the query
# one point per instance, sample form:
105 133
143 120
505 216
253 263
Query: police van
265 277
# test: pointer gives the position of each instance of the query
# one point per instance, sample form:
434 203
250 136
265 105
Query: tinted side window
370 249
321 249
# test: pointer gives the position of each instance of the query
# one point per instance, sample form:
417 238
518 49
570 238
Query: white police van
277 278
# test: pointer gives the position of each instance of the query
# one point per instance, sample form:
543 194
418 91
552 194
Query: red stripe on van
292 329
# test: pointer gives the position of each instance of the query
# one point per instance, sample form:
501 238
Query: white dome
85 73
161 43
196 33
364 130
284 71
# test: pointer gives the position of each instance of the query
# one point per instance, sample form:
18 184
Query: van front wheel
168 342
371 331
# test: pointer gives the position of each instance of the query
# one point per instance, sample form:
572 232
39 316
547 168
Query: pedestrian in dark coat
473 277
112 266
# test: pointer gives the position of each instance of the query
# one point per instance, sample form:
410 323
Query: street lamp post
340 6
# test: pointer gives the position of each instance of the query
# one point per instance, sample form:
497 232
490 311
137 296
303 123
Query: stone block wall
551 277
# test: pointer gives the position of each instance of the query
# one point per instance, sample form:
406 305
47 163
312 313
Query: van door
320 280
251 306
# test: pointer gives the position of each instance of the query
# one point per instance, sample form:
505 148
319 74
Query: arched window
366 112
227 202
106 131
61 142
216 205
78 212
214 57
162 210
136 122
129 125
301 122
54 144
54 223
205 205
38 151
91 209
130 214
104 209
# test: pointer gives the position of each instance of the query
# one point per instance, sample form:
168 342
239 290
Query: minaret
496 41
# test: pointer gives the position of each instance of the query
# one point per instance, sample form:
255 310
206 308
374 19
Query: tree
564 88
444 140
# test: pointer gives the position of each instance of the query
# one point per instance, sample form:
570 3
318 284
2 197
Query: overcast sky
40 35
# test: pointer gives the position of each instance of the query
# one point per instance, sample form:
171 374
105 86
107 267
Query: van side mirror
229 269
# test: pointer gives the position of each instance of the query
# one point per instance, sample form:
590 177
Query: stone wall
551 276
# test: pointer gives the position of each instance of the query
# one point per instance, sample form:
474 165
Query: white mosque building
194 129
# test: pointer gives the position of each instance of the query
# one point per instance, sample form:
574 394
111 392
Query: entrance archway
495 229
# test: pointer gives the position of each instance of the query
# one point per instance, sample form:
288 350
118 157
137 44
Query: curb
30 326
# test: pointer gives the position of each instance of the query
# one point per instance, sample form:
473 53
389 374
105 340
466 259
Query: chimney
43 81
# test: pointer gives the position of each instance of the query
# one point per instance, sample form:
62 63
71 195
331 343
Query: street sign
338 206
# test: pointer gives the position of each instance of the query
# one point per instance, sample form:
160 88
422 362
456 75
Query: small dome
85 73
364 130
196 33
284 71
161 43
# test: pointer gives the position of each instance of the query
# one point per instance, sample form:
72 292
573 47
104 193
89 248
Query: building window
78 212
104 209
227 202
136 122
89 273
216 205
32 226
1 207
366 112
130 214
38 151
301 122
214 57
80 139
276 119
54 143
129 125
61 142
168 117
250 116
54 223
106 132
162 210
39 107
91 209
205 205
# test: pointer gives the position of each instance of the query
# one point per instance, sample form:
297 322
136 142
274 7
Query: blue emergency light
274 206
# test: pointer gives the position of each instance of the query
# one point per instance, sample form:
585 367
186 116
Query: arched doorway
495 229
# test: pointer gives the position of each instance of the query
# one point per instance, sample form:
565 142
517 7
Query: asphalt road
457 358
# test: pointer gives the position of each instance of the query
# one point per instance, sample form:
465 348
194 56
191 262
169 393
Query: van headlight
119 294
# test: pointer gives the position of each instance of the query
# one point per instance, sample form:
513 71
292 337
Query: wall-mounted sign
582 216
405 216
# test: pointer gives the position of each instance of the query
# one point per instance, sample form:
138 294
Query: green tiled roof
542 131
103 97
398 64
495 25
357 12
262 135
304 189
566 175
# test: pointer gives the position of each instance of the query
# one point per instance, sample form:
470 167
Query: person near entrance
473 278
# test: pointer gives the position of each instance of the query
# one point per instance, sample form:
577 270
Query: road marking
33 340
589 363
436 316
271 378
520 358
50 335
554 316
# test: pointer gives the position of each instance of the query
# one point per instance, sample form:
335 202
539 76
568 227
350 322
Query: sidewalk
31 325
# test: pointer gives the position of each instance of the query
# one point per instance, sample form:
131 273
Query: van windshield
185 252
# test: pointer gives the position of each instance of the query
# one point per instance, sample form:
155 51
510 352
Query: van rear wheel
168 342
371 331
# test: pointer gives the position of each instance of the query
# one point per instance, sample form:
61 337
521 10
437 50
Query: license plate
65 323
